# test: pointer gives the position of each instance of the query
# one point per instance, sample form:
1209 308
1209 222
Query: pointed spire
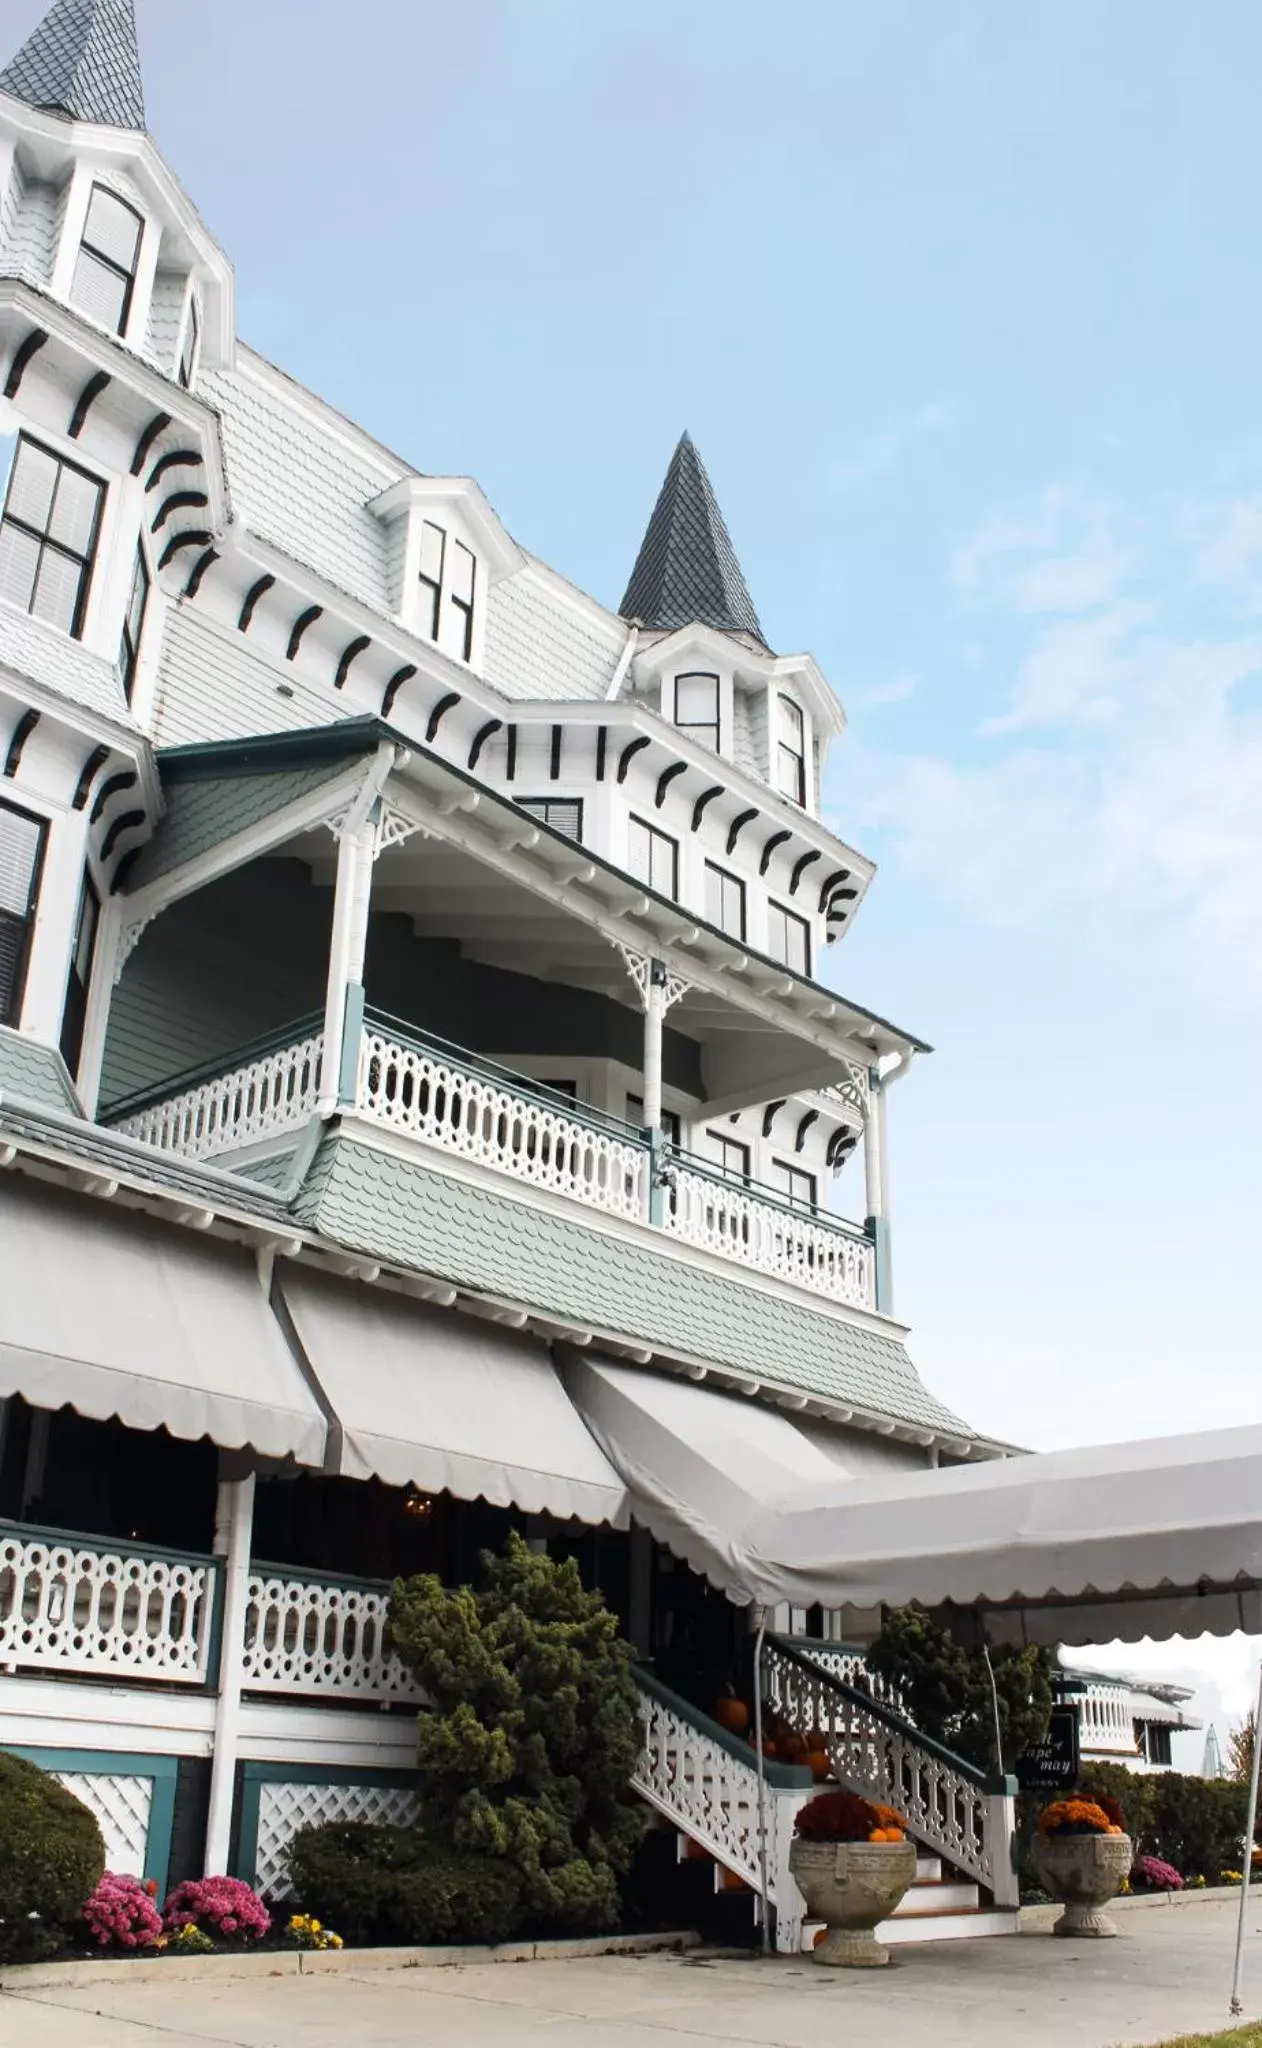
686 572
82 60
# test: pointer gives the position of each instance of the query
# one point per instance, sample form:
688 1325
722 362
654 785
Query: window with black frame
48 536
789 938
697 709
134 622
74 1015
791 750
653 857
22 842
430 576
793 1184
725 900
105 268
188 350
562 813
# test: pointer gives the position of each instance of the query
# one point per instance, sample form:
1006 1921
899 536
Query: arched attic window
697 708
109 253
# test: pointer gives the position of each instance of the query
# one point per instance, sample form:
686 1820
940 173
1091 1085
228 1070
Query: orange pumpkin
770 1749
1115 1831
817 1762
792 1745
819 1935
732 1714
878 1835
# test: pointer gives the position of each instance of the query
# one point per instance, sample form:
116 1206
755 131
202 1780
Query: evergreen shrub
51 1859
388 1884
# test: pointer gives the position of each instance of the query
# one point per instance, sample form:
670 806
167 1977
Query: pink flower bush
1150 1874
221 1906
121 1911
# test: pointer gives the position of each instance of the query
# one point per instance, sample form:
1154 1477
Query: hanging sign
1052 1765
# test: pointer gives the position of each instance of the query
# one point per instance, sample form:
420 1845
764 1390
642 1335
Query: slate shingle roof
396 1209
686 572
82 60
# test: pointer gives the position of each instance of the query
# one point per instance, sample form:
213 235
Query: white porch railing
432 1095
72 1604
795 1244
950 1805
706 1782
271 1094
309 1635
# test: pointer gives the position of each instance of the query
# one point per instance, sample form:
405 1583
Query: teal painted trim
162 1772
81 1539
877 1231
477 1068
251 1779
265 753
214 1644
789 1777
352 1034
300 1577
768 1197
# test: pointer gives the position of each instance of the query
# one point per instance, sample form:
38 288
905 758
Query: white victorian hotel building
421 1101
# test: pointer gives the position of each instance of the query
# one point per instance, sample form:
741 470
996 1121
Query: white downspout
619 675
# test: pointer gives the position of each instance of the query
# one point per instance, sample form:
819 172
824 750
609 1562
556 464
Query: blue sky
960 302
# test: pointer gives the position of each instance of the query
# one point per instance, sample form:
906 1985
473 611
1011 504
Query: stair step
928 1868
925 1900
968 1925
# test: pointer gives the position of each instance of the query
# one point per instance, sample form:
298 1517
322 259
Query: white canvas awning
449 1403
1116 1541
114 1314
701 1467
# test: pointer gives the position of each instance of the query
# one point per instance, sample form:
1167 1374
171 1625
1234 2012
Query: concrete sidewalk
1167 1974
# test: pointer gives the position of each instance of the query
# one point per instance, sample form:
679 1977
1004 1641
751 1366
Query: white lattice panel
284 1808
121 1806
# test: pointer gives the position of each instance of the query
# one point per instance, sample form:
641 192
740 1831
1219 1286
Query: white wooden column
876 1187
234 1524
654 1019
658 987
352 894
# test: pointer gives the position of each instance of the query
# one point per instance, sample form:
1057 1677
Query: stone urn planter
852 1886
1082 1873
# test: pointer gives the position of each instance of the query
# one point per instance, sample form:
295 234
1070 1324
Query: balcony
461 1105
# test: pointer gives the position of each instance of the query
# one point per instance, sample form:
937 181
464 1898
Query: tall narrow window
793 1184
791 750
697 709
134 622
563 813
75 1013
48 533
730 1156
105 269
433 556
653 857
188 350
21 860
725 900
789 938
462 570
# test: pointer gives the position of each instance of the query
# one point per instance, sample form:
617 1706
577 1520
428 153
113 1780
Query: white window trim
56 911
808 807
192 306
86 174
727 707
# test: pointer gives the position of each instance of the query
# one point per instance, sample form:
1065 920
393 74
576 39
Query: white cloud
1064 552
1121 782
1230 550
884 448
896 691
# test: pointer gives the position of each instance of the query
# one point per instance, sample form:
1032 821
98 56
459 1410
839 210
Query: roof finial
82 60
686 572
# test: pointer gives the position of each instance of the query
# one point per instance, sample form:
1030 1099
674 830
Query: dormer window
448 580
791 750
48 535
134 623
697 709
187 369
105 269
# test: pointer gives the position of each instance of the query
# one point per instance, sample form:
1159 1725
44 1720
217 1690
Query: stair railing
961 1813
704 1780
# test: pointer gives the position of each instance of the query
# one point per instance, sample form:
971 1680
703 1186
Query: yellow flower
313 1926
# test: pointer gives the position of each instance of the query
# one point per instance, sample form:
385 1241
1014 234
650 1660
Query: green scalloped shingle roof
373 1202
34 1073
205 811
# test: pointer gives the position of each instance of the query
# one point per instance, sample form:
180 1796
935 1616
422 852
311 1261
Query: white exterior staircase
703 1781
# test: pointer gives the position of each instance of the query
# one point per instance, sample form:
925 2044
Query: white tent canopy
115 1314
448 1403
1160 1537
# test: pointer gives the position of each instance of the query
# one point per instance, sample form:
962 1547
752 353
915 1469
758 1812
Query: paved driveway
1169 1972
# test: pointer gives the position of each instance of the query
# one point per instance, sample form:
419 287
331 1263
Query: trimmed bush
51 1859
389 1884
1195 1824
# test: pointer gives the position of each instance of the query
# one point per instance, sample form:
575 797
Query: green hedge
1197 1824
51 1859
389 1884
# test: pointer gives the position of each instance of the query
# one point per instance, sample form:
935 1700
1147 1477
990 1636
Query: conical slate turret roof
686 572
82 60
